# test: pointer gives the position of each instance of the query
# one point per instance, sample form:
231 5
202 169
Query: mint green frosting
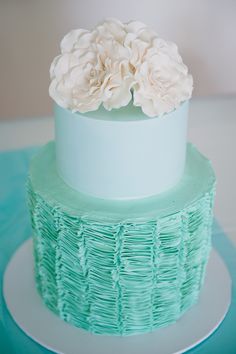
120 267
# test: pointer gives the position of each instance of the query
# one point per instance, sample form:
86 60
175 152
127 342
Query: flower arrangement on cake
115 63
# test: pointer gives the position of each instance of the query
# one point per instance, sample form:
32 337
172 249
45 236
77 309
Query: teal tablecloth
15 228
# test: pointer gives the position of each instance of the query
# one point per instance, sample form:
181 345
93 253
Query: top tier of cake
120 154
121 110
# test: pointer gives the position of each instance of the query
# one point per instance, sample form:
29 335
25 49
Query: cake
120 203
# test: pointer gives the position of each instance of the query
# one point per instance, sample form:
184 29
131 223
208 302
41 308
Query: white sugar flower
115 58
162 81
91 70
104 65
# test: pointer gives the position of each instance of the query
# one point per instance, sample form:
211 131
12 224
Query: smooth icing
120 267
120 154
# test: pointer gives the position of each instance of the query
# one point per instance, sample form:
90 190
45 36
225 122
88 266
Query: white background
30 32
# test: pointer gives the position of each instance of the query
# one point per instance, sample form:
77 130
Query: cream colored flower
104 65
162 81
115 58
77 79
93 69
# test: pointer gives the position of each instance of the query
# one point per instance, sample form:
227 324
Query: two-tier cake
121 205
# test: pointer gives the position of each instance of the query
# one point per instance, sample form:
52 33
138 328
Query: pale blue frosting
120 154
120 268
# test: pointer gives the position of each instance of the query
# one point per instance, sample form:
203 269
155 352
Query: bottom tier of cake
120 267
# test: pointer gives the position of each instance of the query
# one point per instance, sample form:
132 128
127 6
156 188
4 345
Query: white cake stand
39 323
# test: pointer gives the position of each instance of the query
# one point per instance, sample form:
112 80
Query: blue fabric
15 228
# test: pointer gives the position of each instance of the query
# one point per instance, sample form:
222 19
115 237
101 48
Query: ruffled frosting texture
114 62
119 274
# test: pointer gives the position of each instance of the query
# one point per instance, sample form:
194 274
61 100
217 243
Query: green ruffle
117 275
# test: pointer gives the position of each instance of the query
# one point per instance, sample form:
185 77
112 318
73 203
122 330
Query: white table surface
212 128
